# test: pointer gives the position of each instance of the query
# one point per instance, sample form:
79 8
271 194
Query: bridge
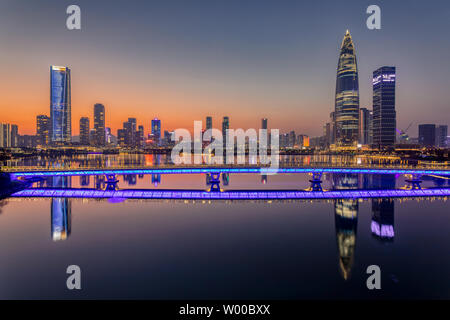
21 172
229 194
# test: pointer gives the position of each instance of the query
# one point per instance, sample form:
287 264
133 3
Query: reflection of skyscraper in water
346 222
225 179
156 177
84 180
99 180
131 179
382 225
264 179
61 211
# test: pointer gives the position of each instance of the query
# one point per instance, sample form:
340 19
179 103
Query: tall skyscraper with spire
347 95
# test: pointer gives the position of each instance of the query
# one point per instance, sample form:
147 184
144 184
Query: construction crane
403 133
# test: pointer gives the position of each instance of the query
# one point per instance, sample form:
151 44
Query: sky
182 60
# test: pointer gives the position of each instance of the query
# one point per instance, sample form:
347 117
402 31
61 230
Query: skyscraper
141 139
225 127
332 127
122 137
14 135
5 135
60 106
364 126
347 95
43 129
99 124
427 135
264 123
441 136
208 123
84 131
130 132
156 130
109 136
384 116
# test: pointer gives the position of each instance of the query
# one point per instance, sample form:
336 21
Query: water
168 249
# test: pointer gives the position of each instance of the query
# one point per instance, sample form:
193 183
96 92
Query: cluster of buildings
349 127
352 127
56 129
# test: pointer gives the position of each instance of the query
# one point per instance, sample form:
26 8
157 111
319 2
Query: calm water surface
165 249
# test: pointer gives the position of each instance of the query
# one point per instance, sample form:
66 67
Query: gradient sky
183 60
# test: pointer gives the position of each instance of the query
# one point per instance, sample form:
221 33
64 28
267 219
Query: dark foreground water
226 249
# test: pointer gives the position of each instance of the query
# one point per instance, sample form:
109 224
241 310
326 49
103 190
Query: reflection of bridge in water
230 194
347 189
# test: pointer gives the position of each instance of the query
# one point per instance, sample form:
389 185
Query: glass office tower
60 106
347 95
384 116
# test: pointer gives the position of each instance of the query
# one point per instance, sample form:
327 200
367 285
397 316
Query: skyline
266 70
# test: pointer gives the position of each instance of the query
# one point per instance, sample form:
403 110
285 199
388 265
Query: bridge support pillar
111 182
214 181
415 181
316 181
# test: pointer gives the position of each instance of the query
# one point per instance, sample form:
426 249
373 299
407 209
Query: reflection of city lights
266 194
383 231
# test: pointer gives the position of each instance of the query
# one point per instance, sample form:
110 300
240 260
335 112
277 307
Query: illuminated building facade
347 95
156 129
43 129
60 106
384 115
99 124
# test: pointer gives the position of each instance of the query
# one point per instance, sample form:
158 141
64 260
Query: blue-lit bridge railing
231 194
24 171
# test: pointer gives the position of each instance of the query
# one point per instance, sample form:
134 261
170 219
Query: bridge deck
230 195
203 170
